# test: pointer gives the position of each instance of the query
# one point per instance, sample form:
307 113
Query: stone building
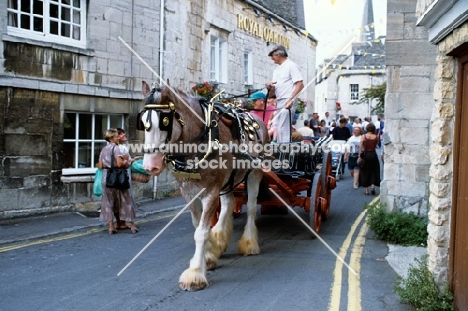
426 112
67 73
343 78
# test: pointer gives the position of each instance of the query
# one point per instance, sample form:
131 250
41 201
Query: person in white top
357 123
287 83
306 131
364 123
352 154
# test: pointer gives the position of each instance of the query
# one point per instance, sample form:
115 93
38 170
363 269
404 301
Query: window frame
76 170
46 35
354 94
218 59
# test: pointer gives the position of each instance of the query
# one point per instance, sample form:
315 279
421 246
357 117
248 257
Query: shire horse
169 118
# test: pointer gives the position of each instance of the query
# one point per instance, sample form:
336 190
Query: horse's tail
264 193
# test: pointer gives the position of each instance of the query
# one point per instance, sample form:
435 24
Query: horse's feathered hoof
192 280
247 247
192 287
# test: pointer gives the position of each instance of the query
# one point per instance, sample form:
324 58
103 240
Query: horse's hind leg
248 243
222 231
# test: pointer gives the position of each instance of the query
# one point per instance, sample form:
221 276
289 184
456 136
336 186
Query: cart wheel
315 212
320 202
326 176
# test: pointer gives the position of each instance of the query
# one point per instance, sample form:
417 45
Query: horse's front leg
222 231
248 243
206 251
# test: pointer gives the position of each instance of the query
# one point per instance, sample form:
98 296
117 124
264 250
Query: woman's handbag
117 178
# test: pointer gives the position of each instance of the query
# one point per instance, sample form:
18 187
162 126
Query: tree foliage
376 92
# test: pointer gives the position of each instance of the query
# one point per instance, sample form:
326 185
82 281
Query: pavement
22 230
26 229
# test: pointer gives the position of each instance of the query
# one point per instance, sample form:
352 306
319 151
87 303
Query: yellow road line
338 272
74 235
354 281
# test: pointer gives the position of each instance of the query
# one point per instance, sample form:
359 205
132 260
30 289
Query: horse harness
241 123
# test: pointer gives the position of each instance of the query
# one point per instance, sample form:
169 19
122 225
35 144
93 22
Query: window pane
54 28
76 32
65 16
25 21
38 8
84 155
68 155
76 3
26 6
100 123
97 151
65 31
12 19
69 125
54 11
84 127
13 4
76 17
38 24
115 121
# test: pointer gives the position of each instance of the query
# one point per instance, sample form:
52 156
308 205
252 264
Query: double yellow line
354 281
74 235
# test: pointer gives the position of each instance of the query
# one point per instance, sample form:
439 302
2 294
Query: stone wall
409 102
188 37
39 81
441 149
31 153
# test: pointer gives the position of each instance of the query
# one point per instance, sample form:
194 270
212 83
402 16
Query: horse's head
162 122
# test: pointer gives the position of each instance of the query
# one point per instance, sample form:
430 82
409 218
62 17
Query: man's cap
257 95
278 48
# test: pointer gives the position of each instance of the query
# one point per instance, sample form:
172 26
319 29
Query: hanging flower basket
301 106
205 90
338 106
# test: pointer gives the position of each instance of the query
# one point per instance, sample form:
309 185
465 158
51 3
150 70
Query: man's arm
298 86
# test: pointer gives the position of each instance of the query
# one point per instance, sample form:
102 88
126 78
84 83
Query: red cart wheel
324 183
328 182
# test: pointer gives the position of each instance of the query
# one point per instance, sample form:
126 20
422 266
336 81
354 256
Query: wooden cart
310 167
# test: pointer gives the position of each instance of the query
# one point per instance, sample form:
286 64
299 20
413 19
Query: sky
334 23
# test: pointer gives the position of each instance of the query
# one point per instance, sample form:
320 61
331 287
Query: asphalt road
293 272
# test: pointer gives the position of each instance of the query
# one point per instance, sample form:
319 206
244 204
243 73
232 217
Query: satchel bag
117 178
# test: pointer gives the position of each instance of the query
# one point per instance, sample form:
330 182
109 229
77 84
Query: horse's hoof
211 265
192 279
192 286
